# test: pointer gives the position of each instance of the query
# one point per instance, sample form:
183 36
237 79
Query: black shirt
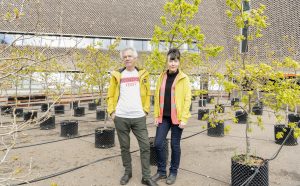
167 100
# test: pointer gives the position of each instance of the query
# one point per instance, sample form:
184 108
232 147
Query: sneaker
171 179
158 176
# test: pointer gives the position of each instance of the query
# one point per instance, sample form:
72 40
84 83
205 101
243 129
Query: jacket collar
122 69
180 75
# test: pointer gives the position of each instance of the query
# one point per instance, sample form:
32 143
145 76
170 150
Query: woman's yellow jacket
182 96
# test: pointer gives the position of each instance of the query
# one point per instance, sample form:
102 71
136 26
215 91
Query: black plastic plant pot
257 109
30 115
59 109
6 109
202 102
100 114
153 155
294 118
220 108
18 112
79 111
202 112
92 106
240 172
44 107
291 140
69 128
48 124
104 137
73 104
217 131
241 116
234 101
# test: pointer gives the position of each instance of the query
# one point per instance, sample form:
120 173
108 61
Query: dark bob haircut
174 54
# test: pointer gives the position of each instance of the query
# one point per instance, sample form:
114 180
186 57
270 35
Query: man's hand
112 115
182 125
156 123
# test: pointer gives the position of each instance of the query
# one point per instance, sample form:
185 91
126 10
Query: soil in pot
216 130
104 137
153 155
240 172
69 128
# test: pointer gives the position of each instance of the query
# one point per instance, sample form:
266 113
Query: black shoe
158 176
149 182
125 179
171 179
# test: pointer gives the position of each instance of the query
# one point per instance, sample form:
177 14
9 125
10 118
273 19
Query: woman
171 111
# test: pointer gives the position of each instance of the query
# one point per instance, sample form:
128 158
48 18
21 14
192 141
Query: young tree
96 64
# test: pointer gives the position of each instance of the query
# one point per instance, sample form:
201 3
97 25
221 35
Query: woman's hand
182 125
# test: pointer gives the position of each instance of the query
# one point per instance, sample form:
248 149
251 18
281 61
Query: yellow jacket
114 90
182 96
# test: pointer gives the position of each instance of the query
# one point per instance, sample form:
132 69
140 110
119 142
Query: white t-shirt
130 103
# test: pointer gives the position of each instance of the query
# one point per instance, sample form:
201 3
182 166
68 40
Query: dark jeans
161 134
139 129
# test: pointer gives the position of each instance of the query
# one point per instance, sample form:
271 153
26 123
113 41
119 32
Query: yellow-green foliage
96 63
175 31
254 18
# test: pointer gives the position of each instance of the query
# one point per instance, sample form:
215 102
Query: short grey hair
134 52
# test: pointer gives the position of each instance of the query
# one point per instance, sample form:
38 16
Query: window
163 46
50 41
138 45
32 40
146 46
102 43
84 42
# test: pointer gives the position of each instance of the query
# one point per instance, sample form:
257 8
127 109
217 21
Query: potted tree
249 75
287 93
95 65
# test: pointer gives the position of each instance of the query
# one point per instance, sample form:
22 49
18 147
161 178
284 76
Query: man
128 104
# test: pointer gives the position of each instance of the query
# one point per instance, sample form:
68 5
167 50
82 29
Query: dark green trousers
139 129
